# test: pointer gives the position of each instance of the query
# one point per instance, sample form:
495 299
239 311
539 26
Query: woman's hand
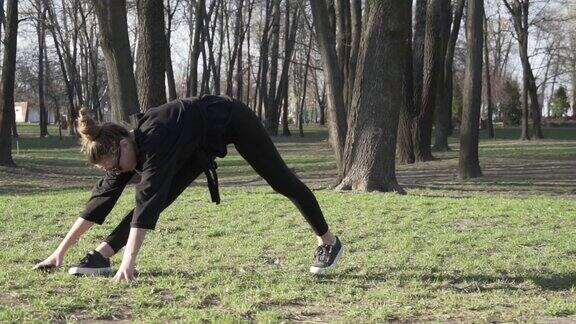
51 262
126 270
124 273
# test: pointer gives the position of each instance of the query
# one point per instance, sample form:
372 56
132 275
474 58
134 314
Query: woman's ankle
327 238
105 250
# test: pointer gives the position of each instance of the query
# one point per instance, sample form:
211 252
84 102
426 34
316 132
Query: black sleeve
104 196
158 170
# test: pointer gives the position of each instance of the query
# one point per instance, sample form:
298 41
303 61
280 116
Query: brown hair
99 141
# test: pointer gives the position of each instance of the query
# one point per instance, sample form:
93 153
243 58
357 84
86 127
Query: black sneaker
92 264
326 257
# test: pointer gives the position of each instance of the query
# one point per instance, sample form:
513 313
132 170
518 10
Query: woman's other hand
124 274
53 261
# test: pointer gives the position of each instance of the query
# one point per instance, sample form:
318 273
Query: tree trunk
192 88
285 128
7 86
305 87
405 145
270 118
116 48
432 50
371 140
490 110
337 119
519 10
289 42
469 165
151 57
444 118
264 48
441 111
41 33
169 69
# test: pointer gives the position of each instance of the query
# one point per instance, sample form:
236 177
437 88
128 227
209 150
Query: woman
171 146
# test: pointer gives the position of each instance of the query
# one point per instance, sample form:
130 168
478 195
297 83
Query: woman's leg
254 144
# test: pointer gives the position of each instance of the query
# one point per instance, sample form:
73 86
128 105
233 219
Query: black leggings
255 146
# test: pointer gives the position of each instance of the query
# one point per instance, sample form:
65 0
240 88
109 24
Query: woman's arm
126 270
55 259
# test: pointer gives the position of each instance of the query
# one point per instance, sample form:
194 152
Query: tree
409 115
333 52
65 42
444 108
196 29
510 104
7 83
431 72
116 47
170 11
519 11
560 103
371 139
151 57
469 165
490 105
405 144
41 33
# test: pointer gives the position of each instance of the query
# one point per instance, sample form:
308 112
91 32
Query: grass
501 248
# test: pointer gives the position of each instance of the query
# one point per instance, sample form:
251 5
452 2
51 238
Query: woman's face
124 161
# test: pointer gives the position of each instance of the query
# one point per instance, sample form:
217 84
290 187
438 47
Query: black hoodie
183 131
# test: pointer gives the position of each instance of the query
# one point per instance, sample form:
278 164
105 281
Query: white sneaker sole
90 271
317 270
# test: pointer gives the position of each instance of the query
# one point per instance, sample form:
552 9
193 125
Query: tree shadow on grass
465 283
507 176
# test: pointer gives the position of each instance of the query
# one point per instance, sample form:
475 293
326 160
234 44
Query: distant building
26 113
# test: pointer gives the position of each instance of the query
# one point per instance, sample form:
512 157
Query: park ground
500 248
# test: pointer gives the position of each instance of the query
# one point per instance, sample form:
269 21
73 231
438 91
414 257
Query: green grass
501 248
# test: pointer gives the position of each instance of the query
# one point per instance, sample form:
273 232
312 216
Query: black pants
255 146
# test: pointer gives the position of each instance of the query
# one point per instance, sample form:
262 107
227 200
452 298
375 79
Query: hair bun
87 126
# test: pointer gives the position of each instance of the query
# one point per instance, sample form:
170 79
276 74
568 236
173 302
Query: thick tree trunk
412 99
469 165
116 48
337 119
441 111
405 145
432 51
444 117
371 140
151 57
7 85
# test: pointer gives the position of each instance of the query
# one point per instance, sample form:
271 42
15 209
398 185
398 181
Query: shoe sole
318 270
90 271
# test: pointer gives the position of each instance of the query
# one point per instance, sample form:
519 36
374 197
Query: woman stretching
171 146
